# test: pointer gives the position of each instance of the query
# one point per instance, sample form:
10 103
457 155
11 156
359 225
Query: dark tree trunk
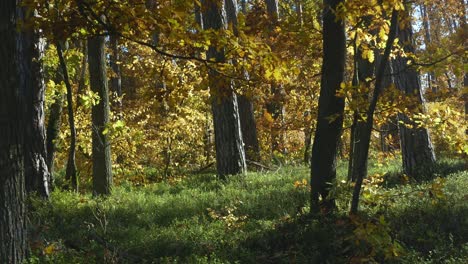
102 168
12 189
37 175
53 130
246 107
249 128
331 108
230 156
71 164
82 78
416 146
364 69
116 80
364 139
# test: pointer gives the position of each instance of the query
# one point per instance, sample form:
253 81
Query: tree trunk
102 168
331 107
246 107
53 130
416 146
71 164
116 79
12 189
37 175
364 139
82 79
230 156
364 69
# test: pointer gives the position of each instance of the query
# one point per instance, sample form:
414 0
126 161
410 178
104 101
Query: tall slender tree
364 137
101 149
12 188
230 155
71 172
331 107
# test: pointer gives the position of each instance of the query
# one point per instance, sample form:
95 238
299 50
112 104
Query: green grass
258 218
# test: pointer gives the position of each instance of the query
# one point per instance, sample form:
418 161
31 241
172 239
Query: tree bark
12 186
37 175
246 107
101 150
71 164
331 108
230 155
416 146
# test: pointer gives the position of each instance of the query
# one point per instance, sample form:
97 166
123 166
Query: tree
331 107
71 164
37 176
12 188
416 146
116 79
246 107
102 170
360 165
230 155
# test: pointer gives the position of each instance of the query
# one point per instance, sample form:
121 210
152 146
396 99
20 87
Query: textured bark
230 156
416 146
37 175
249 128
102 168
361 163
246 107
331 107
12 189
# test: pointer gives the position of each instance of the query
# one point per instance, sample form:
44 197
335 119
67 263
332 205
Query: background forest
219 131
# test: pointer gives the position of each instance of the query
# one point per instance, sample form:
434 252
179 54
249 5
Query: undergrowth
258 218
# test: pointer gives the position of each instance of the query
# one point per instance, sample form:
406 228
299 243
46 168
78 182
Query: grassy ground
259 218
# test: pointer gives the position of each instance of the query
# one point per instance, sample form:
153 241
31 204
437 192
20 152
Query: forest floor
259 218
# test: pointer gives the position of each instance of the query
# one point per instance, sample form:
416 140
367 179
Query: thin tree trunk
328 132
71 164
416 146
361 162
116 80
102 167
37 175
230 155
12 188
365 70
82 79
